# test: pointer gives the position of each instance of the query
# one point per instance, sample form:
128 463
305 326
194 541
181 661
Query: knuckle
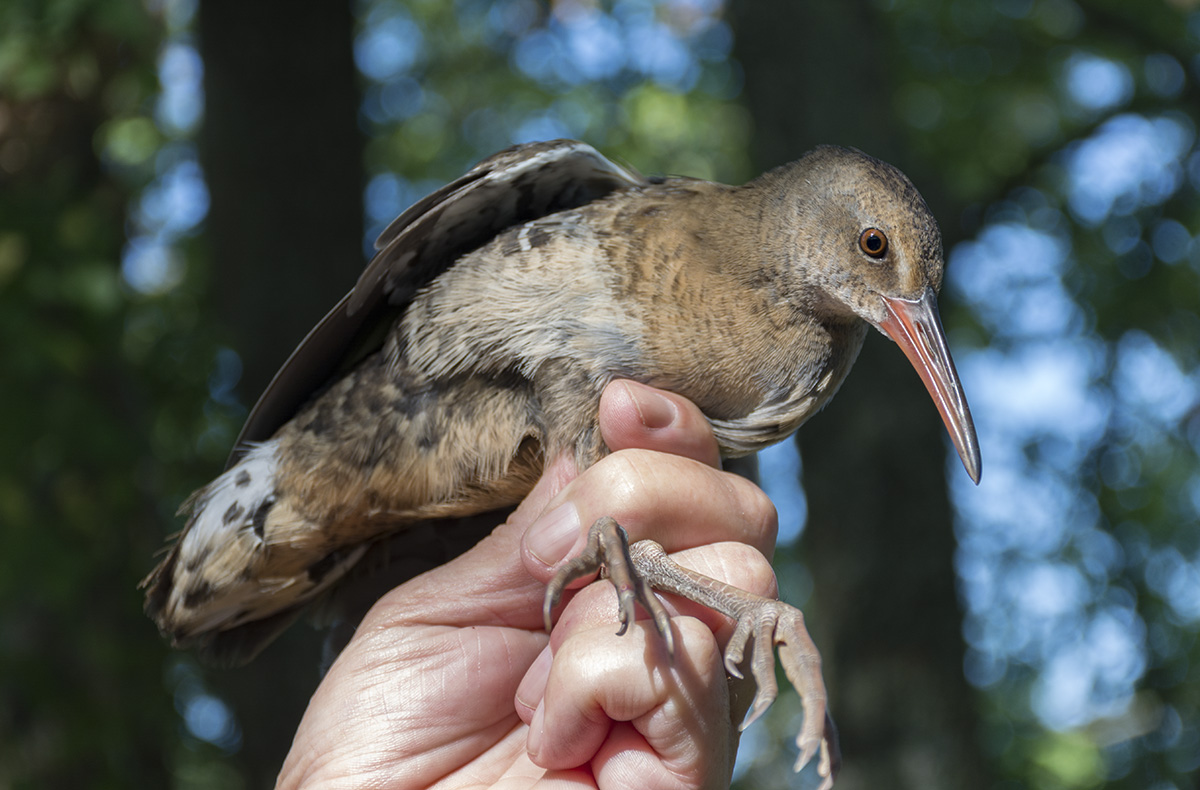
701 648
759 512
623 470
754 572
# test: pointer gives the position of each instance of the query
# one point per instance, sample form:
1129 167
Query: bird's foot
635 569
774 623
770 623
608 550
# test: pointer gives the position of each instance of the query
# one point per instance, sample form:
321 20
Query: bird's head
866 245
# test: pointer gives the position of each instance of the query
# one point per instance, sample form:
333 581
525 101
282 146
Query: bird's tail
224 576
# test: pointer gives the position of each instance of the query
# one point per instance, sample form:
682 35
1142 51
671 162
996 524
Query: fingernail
533 685
537 729
552 536
655 410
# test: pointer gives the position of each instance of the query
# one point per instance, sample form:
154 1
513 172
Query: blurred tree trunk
282 153
879 540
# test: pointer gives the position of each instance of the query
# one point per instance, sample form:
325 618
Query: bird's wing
514 186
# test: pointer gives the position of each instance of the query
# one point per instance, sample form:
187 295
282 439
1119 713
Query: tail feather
225 573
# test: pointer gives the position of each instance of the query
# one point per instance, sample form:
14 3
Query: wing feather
512 187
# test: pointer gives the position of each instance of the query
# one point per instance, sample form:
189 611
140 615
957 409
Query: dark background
184 191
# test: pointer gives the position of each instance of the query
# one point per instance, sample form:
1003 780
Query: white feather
211 522
220 576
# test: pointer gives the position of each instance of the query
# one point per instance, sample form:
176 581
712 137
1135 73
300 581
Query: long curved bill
917 329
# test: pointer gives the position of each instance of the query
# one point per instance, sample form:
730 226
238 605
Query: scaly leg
634 569
607 550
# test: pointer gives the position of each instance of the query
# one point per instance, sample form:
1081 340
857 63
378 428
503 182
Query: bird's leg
608 550
635 569
771 623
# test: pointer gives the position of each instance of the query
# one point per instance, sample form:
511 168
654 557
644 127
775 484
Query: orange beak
917 329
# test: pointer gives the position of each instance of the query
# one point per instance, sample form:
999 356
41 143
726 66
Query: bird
476 343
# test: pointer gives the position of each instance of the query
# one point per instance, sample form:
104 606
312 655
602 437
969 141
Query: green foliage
102 388
987 94
475 97
109 422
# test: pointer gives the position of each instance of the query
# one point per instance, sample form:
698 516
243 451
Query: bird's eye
873 242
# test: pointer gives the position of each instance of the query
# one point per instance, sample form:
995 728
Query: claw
608 550
762 666
735 651
768 621
829 761
772 624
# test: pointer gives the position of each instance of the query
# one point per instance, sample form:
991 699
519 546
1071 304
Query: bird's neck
782 342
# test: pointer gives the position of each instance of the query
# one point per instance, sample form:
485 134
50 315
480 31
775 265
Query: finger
491 570
733 563
532 688
678 502
679 731
633 415
593 606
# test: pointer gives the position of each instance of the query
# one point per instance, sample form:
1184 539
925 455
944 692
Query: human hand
450 680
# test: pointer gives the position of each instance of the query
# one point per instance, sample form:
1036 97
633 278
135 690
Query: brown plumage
477 342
